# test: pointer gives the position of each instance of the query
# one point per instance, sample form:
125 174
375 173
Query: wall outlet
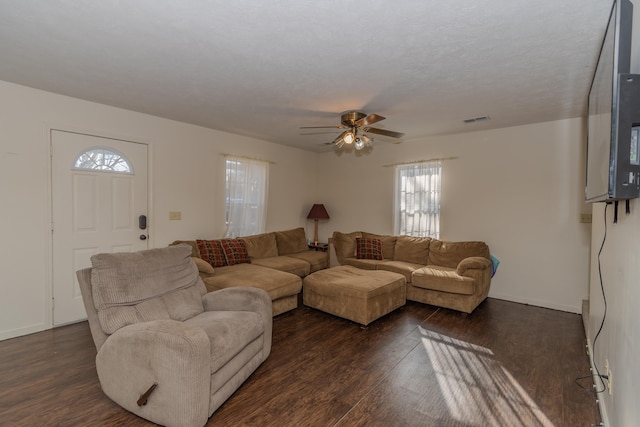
609 374
585 218
175 216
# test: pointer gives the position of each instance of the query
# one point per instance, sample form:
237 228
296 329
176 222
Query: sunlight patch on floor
476 387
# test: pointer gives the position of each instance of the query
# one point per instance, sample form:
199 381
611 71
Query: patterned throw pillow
368 248
235 251
211 251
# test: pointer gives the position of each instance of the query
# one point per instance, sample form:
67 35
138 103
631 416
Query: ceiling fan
357 126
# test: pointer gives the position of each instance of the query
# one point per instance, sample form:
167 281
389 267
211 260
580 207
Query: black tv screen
613 162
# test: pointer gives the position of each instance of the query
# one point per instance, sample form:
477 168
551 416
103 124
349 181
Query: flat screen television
613 159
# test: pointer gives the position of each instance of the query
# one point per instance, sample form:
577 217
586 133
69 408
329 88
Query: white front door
99 192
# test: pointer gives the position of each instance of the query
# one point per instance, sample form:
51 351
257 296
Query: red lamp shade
316 213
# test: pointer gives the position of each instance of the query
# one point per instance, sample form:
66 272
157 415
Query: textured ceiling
265 68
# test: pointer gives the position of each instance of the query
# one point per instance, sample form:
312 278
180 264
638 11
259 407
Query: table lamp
317 213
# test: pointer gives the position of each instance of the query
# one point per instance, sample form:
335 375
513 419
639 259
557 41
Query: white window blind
246 196
417 199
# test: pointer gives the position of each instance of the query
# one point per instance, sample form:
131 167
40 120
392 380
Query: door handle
142 222
143 237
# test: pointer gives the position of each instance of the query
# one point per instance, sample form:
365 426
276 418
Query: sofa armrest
238 298
170 353
333 256
203 266
244 298
473 263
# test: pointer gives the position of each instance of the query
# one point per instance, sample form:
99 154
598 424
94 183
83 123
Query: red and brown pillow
235 251
212 252
368 248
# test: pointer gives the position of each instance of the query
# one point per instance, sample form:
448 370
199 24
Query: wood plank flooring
506 364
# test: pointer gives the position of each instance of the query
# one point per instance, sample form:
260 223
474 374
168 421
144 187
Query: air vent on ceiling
476 119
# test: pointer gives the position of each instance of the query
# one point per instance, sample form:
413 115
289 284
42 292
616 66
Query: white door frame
48 226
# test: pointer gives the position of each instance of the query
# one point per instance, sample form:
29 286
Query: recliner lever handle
142 400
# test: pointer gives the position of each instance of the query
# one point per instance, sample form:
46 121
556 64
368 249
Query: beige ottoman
355 294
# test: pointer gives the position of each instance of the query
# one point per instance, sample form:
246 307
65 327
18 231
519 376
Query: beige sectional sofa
275 261
455 275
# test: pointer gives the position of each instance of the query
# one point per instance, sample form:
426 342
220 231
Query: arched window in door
103 159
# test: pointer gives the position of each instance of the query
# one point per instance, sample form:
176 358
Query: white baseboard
13 333
538 303
599 400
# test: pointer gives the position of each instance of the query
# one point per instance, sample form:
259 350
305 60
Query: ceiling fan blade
309 132
385 132
323 127
369 120
338 139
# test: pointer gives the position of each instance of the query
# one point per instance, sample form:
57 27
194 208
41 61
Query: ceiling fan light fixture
348 137
356 124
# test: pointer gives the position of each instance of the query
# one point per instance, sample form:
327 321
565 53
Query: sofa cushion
212 252
345 244
365 264
388 243
449 254
291 241
155 284
261 245
288 264
444 279
235 251
229 332
400 267
412 249
368 248
277 284
317 260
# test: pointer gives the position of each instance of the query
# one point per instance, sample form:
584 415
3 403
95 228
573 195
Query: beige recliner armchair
168 351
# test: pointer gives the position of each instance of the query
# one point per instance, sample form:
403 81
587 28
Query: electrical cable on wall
604 316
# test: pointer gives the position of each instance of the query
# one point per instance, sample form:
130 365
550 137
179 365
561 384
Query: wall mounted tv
613 135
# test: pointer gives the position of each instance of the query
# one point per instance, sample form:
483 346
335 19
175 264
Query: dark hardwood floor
506 364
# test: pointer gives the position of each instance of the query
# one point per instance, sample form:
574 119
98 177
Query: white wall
520 189
187 175
619 341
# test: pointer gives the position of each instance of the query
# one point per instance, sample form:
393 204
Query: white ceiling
263 68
